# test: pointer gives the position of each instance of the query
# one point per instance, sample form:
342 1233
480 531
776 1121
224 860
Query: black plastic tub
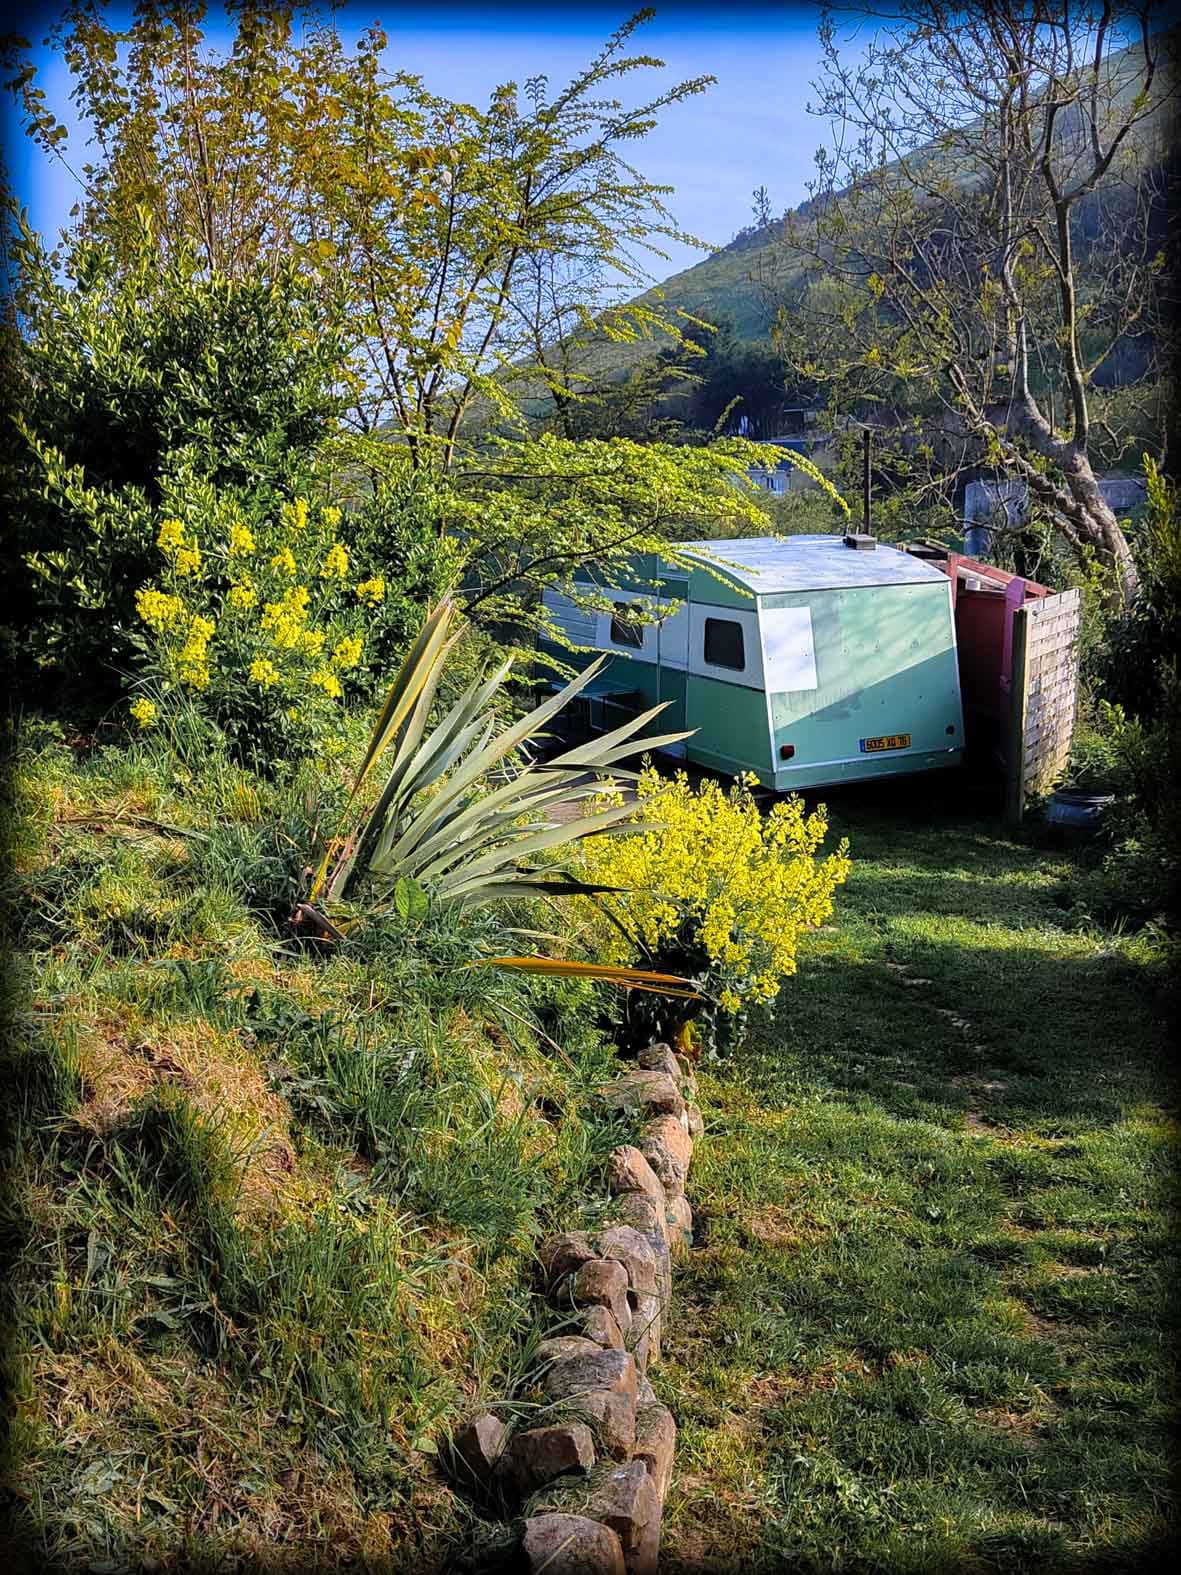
1077 813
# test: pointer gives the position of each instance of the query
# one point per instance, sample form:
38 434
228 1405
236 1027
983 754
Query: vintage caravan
807 660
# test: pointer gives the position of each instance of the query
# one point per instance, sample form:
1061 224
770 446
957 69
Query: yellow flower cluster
263 672
257 617
194 655
158 610
171 537
242 542
182 552
336 563
324 678
745 884
347 651
284 620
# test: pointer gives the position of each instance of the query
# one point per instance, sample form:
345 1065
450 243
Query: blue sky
751 129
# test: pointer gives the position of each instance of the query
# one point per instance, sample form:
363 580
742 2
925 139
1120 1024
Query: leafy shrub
440 829
121 381
398 527
1143 644
261 625
1130 744
1134 866
717 892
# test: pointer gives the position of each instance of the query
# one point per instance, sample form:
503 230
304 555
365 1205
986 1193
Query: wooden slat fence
1044 694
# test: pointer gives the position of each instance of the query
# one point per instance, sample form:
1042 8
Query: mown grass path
927 1322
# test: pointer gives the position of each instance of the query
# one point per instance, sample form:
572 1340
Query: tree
121 382
426 224
524 516
980 241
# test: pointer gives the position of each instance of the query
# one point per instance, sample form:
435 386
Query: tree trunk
1085 517
1099 527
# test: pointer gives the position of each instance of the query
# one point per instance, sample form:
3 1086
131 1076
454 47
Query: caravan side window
623 630
723 644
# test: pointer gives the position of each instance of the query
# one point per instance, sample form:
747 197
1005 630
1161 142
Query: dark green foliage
1144 645
1131 746
398 529
121 381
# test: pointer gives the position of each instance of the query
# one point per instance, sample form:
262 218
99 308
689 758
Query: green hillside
731 285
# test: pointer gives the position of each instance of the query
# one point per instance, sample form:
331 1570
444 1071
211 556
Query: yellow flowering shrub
257 623
718 891
336 563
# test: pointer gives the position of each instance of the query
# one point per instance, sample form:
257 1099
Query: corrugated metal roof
766 564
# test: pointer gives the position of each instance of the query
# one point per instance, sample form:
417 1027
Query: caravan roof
766 564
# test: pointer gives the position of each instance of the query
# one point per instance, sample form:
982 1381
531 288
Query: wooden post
866 474
1018 714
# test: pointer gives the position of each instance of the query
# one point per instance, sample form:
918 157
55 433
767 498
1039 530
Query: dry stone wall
590 1482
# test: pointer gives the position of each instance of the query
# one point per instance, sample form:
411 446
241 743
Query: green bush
1133 872
121 383
1128 743
398 527
258 627
1143 645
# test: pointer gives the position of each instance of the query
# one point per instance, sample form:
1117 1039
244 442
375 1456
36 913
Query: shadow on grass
1064 1037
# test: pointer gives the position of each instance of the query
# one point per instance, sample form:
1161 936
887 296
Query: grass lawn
269 1217
927 1322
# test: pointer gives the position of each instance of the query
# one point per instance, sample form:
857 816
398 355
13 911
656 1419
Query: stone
644 1220
601 1326
594 1368
612 1414
562 1255
628 1171
696 1127
668 1148
543 1453
645 1330
571 1545
624 1498
643 1213
656 1442
659 1058
652 1093
476 1449
602 1282
678 1219
560 1346
645 1394
645 1556
627 1246
647 1218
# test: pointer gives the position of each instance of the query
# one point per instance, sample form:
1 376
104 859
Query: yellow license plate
874 746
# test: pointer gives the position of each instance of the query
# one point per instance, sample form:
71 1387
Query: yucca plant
438 832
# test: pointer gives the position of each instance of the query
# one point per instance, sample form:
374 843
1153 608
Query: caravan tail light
786 751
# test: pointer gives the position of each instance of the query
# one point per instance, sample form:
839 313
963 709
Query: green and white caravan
803 659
